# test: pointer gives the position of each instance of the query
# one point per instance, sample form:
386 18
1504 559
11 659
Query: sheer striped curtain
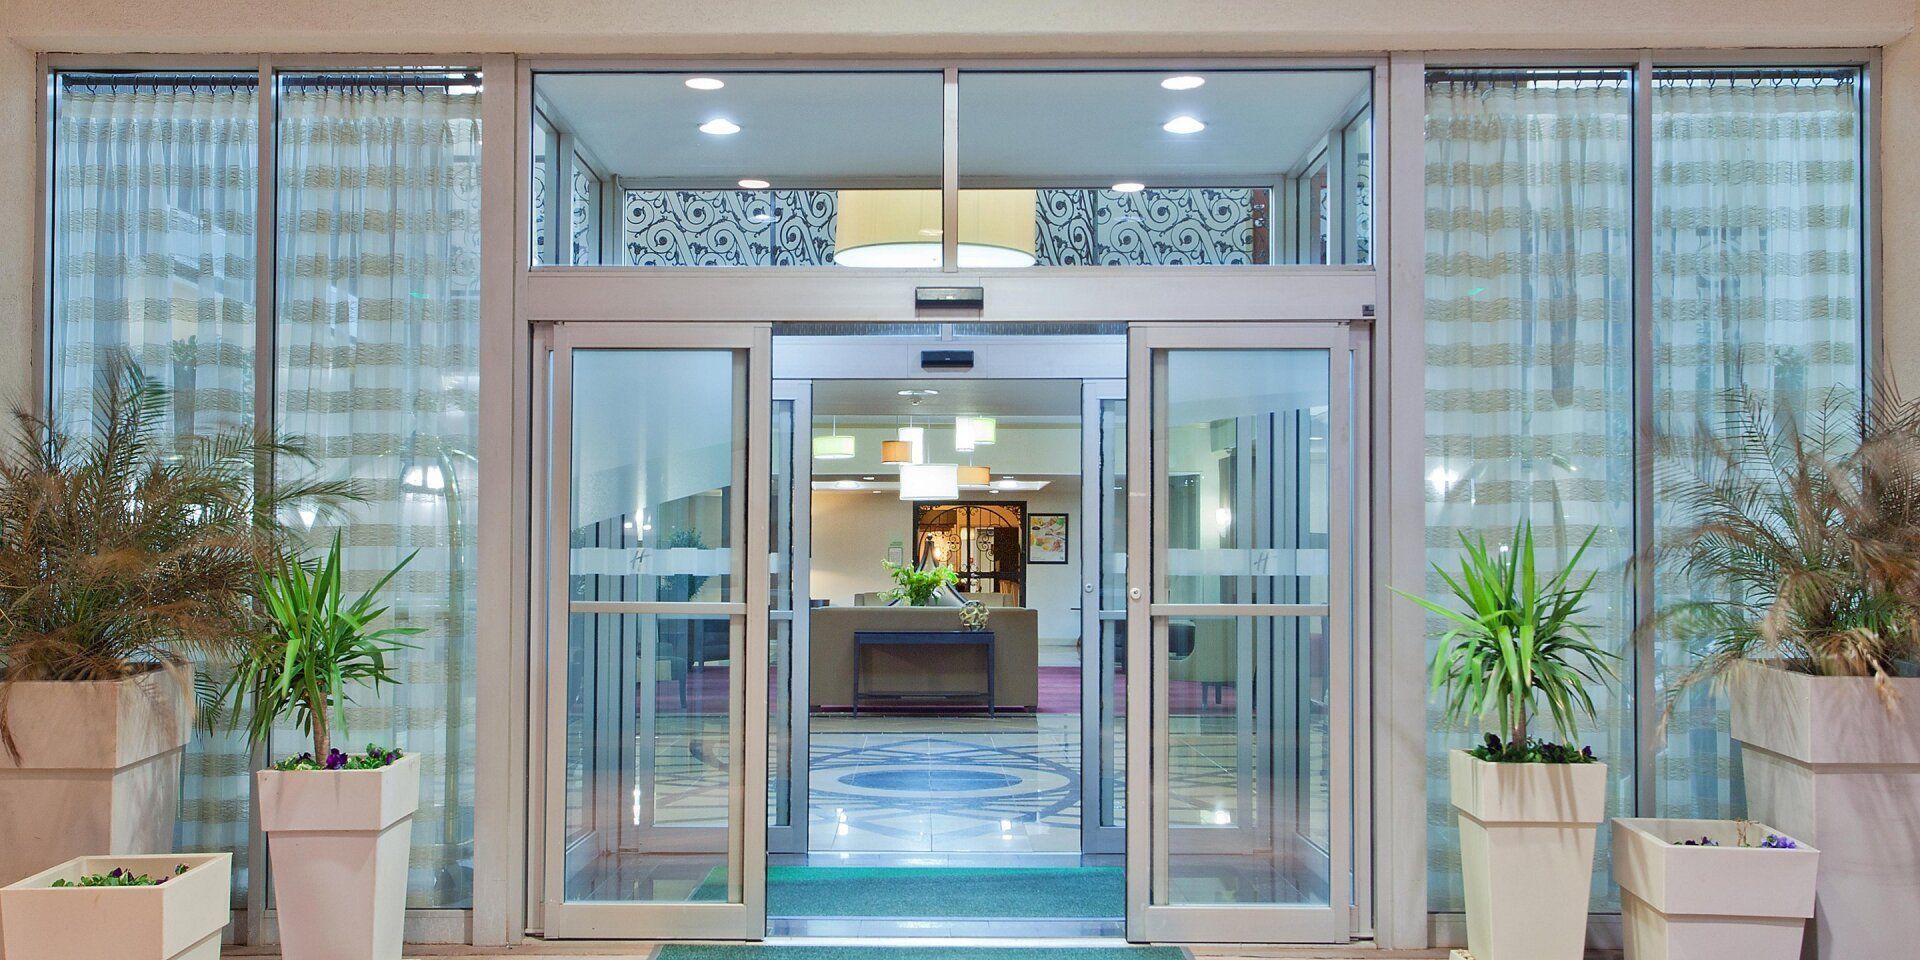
378 370
1529 346
1757 283
154 188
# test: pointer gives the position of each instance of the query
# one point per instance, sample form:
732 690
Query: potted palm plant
1804 558
126 557
1529 808
338 824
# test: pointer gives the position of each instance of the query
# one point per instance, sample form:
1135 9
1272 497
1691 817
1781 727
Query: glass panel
757 169
1239 530
546 156
1165 168
661 486
1248 760
651 521
155 181
1757 284
658 808
1112 588
377 372
1529 265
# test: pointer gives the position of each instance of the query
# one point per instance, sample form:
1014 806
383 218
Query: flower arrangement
1773 841
917 586
373 759
121 877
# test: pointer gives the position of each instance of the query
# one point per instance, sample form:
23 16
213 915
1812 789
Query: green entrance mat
989 893
747 951
1052 893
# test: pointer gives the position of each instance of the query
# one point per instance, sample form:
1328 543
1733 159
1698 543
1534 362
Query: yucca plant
917 586
317 646
126 549
1517 641
1804 542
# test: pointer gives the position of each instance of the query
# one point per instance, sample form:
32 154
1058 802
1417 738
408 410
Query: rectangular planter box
339 840
1825 761
1526 849
98 771
1710 903
178 920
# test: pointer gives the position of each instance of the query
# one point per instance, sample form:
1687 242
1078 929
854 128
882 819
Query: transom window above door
1016 169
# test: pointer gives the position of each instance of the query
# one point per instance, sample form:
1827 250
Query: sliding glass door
1103 615
1238 600
657 631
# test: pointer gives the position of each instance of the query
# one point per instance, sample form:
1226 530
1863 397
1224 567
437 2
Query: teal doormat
1051 893
747 951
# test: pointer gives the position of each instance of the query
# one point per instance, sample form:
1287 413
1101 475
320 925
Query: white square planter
1710 903
1526 849
339 842
1826 762
178 920
99 769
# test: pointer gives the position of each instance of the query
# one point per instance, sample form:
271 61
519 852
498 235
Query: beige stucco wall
863 27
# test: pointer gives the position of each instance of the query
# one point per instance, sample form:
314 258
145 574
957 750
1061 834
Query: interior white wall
852 529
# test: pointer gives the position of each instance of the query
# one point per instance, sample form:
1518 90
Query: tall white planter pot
1826 762
1724 902
98 769
180 919
338 840
1526 849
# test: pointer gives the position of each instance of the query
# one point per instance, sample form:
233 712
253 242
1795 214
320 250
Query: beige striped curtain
378 370
154 187
1756 283
1529 347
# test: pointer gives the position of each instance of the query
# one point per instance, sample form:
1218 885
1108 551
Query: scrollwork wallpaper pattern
757 228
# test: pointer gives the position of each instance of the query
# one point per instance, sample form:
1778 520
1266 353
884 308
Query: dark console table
862 639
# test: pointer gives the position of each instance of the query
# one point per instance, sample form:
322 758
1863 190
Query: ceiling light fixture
705 83
752 184
1185 81
1179 124
963 434
917 393
929 481
1128 186
974 476
834 446
903 229
721 127
985 430
916 439
896 451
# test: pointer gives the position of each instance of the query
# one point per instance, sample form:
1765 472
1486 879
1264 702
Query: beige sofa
1016 640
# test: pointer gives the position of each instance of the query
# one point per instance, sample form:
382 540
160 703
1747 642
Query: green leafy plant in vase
1516 649
915 586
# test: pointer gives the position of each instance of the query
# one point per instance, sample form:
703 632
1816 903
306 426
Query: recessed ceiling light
1129 187
752 184
1185 81
918 393
706 83
1179 124
869 478
721 126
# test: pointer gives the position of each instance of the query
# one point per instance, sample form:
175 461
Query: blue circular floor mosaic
945 781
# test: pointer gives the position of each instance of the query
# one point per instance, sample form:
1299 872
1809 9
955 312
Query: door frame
743 917
1149 917
793 838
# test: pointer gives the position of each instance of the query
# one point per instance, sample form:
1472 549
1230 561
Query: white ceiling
985 398
1037 128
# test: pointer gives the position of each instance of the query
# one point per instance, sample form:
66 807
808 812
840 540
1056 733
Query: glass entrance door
1103 615
657 648
1239 748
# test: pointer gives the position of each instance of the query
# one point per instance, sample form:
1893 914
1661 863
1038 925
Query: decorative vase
1710 902
339 841
1526 849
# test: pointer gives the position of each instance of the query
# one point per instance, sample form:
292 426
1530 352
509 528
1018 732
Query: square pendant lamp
929 481
963 434
916 438
975 476
984 430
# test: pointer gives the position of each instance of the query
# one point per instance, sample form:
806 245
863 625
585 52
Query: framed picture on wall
1046 538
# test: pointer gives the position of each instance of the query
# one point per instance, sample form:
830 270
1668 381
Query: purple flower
336 760
1775 841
